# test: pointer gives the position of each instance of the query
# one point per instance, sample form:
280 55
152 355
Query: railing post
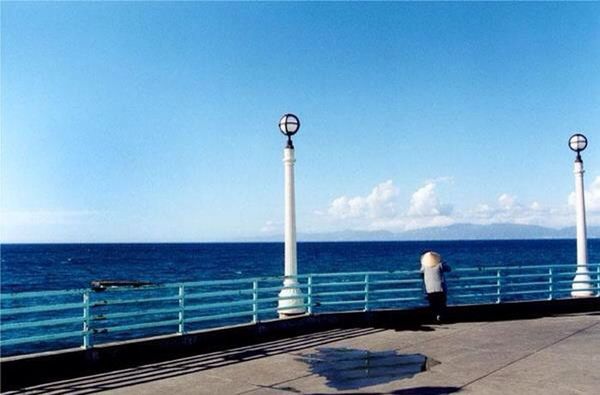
550 285
254 302
366 292
498 287
309 292
181 294
87 339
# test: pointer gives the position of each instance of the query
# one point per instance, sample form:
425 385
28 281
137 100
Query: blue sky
158 121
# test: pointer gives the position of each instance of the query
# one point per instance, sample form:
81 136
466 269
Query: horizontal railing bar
545 283
341 302
472 294
277 309
141 288
242 302
101 317
494 268
474 286
302 276
533 291
381 291
36 309
195 284
576 282
402 281
341 284
454 279
387 300
240 292
34 324
570 289
32 339
120 328
219 316
458 296
218 293
220 304
371 273
236 281
293 307
33 294
109 302
299 286
315 294
277 298
527 275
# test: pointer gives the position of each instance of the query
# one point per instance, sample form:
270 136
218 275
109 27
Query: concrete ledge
32 369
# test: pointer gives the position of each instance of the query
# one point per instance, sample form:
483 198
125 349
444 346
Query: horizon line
282 242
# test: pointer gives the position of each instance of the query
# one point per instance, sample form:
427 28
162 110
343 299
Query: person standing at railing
433 269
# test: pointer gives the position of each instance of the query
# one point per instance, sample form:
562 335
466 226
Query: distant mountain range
451 232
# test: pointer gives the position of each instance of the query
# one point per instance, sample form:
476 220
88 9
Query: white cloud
507 201
509 209
381 202
380 210
425 203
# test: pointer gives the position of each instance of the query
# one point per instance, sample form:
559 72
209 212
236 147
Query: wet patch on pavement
348 369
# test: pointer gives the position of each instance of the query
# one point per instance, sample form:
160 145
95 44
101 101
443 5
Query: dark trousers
437 304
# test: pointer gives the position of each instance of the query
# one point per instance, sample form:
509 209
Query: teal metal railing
36 321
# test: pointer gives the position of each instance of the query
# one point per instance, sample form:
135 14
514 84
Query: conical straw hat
430 259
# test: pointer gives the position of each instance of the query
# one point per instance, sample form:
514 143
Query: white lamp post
291 300
582 283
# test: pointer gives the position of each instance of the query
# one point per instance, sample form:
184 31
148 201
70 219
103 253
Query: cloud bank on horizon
381 209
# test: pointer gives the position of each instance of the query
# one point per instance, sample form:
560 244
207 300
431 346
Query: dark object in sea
101 285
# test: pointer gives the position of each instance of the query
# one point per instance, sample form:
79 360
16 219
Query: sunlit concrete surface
551 355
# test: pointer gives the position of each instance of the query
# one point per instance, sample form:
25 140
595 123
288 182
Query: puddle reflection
347 369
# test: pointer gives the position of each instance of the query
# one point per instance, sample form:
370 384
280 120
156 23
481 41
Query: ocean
31 267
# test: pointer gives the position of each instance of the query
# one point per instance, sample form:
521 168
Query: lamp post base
291 301
582 284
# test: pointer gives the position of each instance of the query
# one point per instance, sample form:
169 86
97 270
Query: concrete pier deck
550 355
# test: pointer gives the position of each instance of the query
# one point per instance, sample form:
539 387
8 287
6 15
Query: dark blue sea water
27 267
